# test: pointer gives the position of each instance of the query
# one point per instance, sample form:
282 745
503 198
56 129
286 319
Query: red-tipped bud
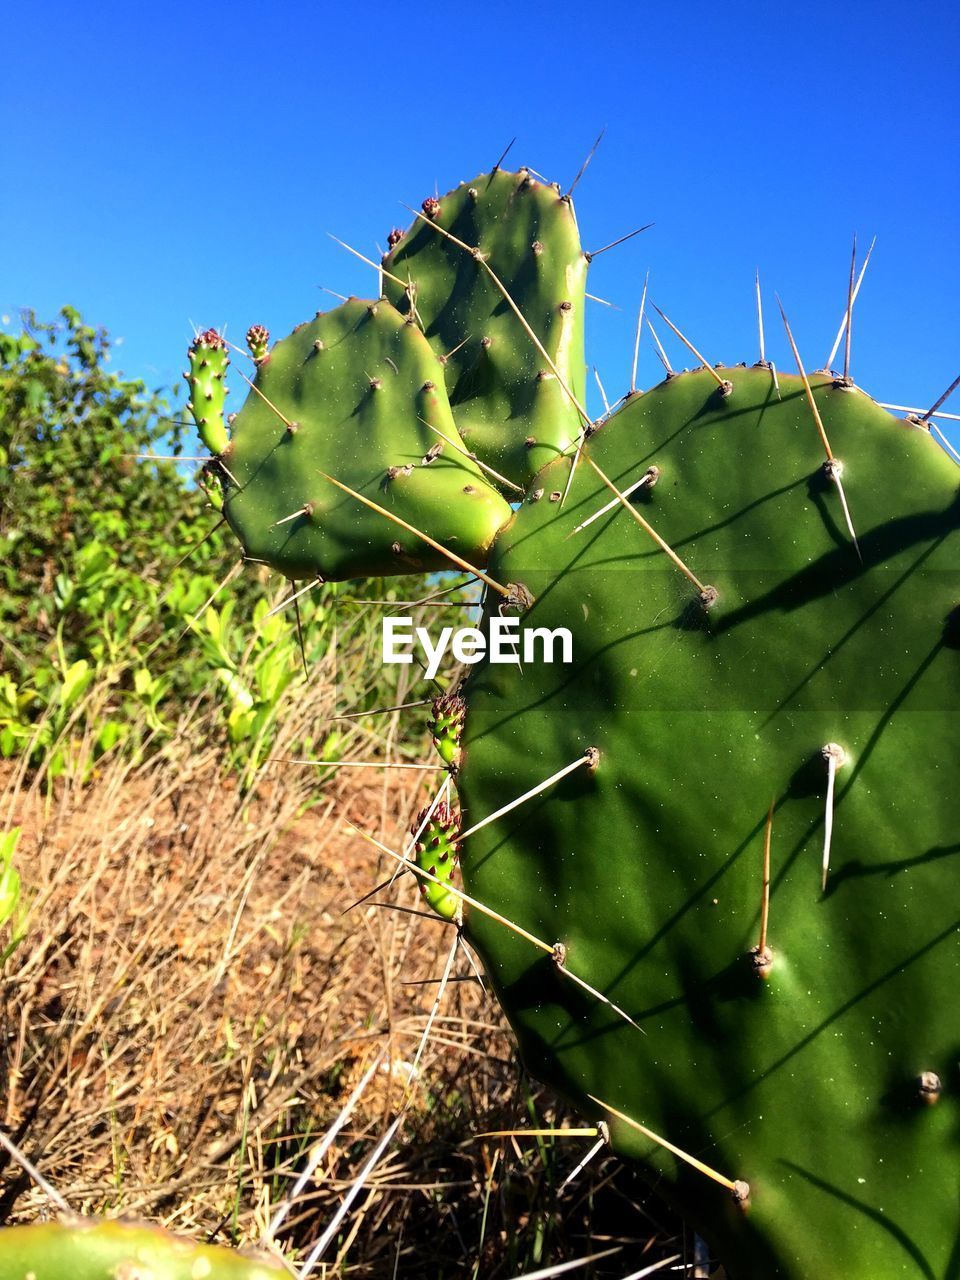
446 726
441 832
431 206
394 238
209 338
448 710
258 340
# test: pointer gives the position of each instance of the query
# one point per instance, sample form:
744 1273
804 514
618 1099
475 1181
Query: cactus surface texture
725 920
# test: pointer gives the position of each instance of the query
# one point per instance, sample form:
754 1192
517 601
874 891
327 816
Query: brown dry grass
191 1008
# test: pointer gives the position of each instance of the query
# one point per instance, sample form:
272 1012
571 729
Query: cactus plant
706 856
764 663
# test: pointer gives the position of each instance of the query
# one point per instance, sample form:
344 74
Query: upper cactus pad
510 405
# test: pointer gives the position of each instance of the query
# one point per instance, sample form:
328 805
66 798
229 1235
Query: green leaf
9 876
75 683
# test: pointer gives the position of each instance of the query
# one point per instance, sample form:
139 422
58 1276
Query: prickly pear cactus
722 919
803 1075
96 1250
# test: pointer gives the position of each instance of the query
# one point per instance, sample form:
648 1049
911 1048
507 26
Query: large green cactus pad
97 1250
511 407
648 868
354 395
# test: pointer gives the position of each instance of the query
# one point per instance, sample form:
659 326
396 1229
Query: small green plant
13 910
92 620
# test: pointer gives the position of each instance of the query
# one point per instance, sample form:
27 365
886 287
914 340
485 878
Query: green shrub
104 634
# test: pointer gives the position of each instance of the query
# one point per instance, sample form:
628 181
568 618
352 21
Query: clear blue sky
169 164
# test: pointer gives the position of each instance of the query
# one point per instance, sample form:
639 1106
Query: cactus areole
746 903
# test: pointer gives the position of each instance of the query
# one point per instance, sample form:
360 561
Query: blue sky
170 164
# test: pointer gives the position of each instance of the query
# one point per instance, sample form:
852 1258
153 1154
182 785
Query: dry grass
191 1008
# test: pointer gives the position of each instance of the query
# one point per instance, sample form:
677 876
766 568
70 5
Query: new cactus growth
208 390
436 850
709 860
446 727
258 342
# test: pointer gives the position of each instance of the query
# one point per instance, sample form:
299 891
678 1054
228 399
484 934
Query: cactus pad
208 390
509 404
446 727
436 851
96 1250
809 1085
354 395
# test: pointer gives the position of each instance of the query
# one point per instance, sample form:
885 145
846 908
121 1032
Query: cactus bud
258 340
446 726
205 380
436 853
